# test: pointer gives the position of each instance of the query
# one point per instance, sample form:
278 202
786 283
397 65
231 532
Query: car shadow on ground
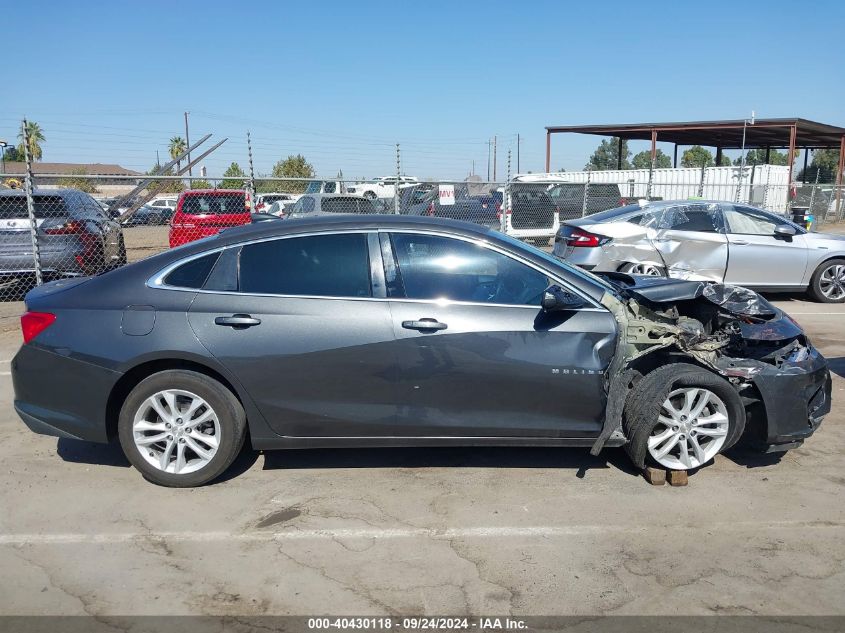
752 458
577 459
572 459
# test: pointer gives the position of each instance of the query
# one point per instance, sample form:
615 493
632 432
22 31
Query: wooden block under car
678 478
654 476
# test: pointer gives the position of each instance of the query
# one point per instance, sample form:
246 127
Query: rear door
691 241
758 257
476 355
295 319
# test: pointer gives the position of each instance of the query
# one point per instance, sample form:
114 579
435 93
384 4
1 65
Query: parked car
75 235
329 203
710 240
405 331
164 203
147 215
382 187
535 210
264 201
429 199
203 212
326 186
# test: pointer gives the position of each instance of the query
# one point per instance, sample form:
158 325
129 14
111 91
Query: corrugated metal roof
725 133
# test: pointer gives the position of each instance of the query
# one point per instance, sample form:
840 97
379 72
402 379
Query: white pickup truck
382 187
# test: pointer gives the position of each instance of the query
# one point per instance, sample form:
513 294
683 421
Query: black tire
369 195
815 290
646 398
153 219
230 415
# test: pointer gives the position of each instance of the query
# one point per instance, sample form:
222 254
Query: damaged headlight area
731 330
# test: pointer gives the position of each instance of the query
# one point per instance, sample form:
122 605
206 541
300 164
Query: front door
759 258
477 356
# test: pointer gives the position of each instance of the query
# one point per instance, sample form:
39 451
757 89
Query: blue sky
341 82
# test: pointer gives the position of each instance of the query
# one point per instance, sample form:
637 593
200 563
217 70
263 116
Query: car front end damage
782 380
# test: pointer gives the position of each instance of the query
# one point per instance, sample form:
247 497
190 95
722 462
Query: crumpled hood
734 299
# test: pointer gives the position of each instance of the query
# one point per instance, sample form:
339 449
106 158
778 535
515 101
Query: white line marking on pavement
398 533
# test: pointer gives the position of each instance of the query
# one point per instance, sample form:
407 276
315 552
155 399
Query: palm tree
34 138
177 148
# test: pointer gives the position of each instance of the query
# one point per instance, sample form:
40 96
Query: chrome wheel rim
176 431
645 269
691 430
832 282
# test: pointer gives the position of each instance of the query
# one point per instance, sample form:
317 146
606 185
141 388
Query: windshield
556 262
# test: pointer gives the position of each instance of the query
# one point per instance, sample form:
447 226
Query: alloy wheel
644 269
692 428
832 282
176 431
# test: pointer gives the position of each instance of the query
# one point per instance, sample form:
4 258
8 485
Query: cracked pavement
435 531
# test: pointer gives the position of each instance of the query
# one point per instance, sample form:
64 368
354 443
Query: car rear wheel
154 219
649 270
181 428
681 416
828 282
369 195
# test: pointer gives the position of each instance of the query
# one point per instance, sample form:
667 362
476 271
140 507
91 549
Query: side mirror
556 299
785 230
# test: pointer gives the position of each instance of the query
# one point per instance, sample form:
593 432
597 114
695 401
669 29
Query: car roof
205 192
334 195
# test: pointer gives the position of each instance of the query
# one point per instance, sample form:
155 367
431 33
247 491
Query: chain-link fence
57 225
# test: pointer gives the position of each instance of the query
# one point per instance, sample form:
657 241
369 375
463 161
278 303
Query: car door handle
740 242
424 324
237 321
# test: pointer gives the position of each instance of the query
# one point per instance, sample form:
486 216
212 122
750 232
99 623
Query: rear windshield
612 214
347 205
14 207
215 204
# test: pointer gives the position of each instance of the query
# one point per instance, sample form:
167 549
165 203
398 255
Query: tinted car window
613 214
192 274
347 205
14 207
697 218
435 267
316 265
215 204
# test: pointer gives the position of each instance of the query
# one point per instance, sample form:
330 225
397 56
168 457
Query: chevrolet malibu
405 331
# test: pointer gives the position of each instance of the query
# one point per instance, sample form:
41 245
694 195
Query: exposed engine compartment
731 330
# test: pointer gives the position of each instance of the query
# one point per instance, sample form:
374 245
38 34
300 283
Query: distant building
105 186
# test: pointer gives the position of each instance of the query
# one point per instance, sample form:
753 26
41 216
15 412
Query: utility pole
494 158
158 162
517 154
489 144
188 143
251 172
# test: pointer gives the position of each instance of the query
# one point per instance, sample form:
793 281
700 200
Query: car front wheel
181 428
828 282
681 416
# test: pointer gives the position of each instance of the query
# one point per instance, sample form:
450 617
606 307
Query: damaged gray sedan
714 241
390 331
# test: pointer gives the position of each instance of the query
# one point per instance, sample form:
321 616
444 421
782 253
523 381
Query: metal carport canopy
727 134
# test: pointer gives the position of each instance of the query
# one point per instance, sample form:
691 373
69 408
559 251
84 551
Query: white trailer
764 186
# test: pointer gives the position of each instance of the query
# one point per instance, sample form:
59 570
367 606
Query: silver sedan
705 240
